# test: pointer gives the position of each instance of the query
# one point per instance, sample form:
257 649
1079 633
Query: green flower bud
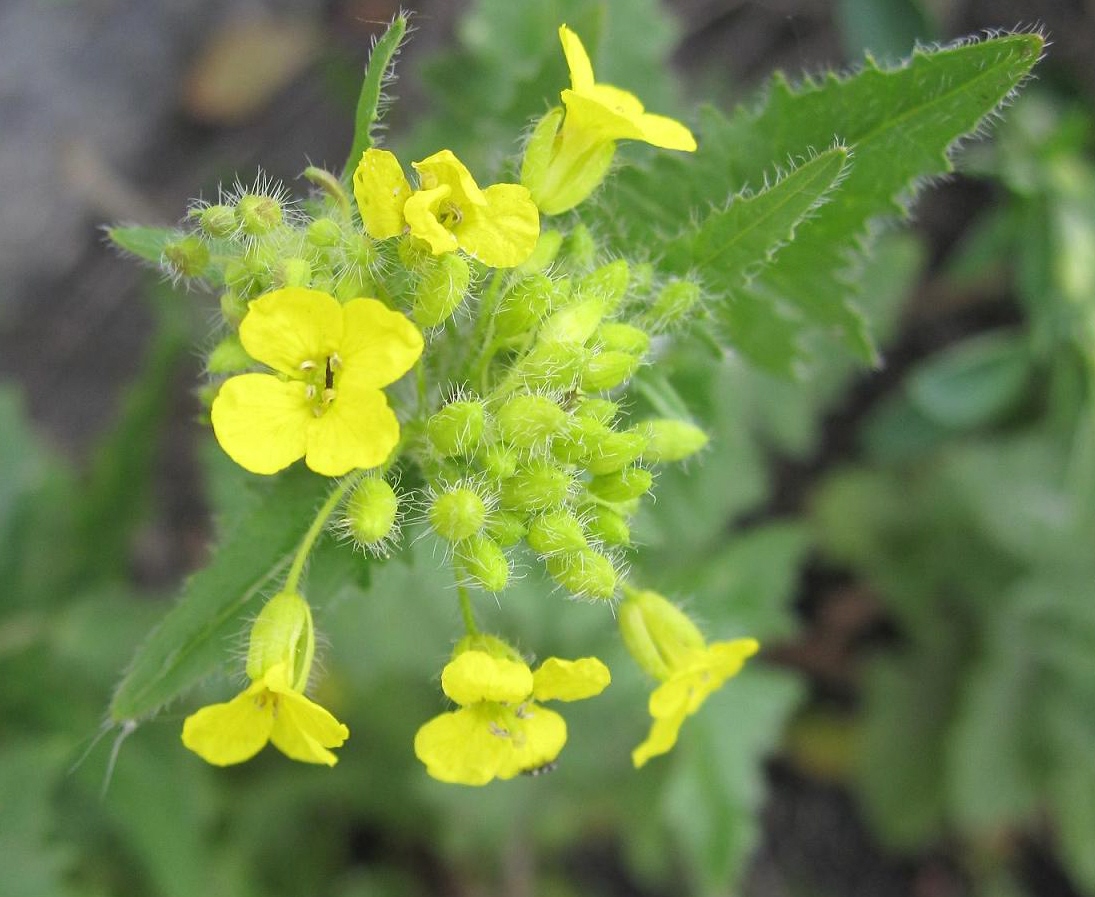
575 323
538 487
657 634
506 528
608 526
239 278
607 370
603 410
323 233
457 514
585 573
498 462
456 428
441 290
608 283
642 277
482 560
552 365
580 248
258 214
294 272
674 303
415 254
228 357
670 440
623 338
621 485
187 257
371 511
580 440
354 284
556 531
547 247
362 252
615 451
523 305
233 307
218 221
529 421
283 633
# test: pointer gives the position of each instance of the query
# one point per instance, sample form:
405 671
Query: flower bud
187 257
538 487
362 252
602 410
457 514
441 290
580 248
621 485
552 365
580 440
233 307
239 279
218 221
607 283
483 560
258 214
575 323
607 370
456 428
529 421
323 233
556 531
228 357
523 305
585 573
657 634
371 511
608 526
283 633
674 303
615 451
547 247
506 528
498 462
294 272
623 338
415 254
355 283
670 440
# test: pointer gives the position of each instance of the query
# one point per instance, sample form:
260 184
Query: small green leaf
144 242
197 634
369 101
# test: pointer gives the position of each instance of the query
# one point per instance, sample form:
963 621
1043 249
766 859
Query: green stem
292 581
466 611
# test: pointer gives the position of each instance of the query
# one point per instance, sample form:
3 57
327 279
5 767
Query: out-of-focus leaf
144 242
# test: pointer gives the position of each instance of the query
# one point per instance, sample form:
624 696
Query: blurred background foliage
913 546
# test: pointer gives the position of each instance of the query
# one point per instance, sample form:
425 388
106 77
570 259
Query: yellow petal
290 326
303 730
569 680
662 737
503 233
538 736
381 190
614 114
474 676
581 69
444 169
462 746
223 734
262 422
422 211
378 345
357 430
668 133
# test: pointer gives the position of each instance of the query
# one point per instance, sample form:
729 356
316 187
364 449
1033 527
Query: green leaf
197 634
369 101
144 242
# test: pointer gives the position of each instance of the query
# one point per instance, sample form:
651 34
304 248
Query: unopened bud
415 254
580 248
547 247
608 526
586 573
457 514
621 485
239 278
623 338
498 462
218 221
188 257
456 428
354 284
483 560
674 303
529 421
575 323
324 233
523 305
228 357
537 487
556 531
233 307
552 365
258 214
283 634
362 252
294 272
441 290
579 442
615 451
607 283
670 440
506 528
602 410
607 370
371 512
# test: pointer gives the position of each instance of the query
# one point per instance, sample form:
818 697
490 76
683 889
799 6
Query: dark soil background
102 119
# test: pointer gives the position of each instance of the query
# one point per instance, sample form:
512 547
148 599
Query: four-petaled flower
500 730
498 226
570 152
325 403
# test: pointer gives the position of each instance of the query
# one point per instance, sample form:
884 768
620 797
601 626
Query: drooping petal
261 421
614 114
668 133
378 345
357 430
503 233
302 730
662 737
288 327
538 737
463 746
569 680
422 211
443 168
223 734
381 190
474 676
581 69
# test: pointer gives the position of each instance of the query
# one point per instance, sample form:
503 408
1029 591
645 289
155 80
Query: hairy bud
456 428
441 290
621 485
586 573
458 514
483 561
371 511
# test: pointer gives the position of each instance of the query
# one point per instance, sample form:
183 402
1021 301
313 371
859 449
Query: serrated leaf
196 635
144 242
368 102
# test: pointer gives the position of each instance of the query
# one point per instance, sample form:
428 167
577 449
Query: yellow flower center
449 215
321 391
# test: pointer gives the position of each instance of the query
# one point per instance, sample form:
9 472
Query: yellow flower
498 226
325 403
669 646
569 153
500 730
273 707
